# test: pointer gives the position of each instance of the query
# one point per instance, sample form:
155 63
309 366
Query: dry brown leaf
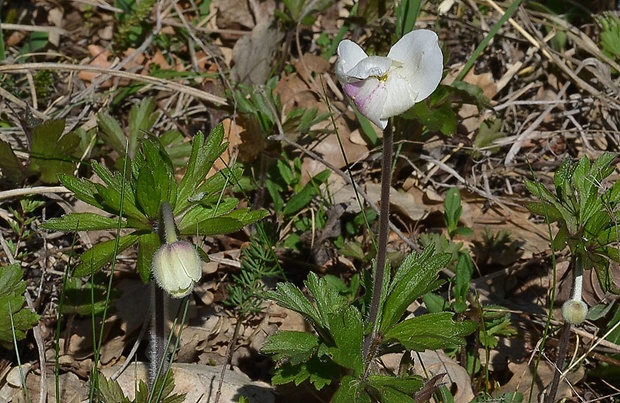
294 92
329 149
232 137
522 380
199 383
431 363
286 319
253 55
405 204
72 389
234 14
310 64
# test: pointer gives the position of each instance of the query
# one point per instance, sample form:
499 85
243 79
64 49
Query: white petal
421 62
372 66
369 97
399 97
349 54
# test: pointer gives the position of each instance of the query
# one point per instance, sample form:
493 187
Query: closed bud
177 267
574 311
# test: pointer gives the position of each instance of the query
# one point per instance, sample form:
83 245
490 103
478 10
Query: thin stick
384 226
38 337
29 191
229 354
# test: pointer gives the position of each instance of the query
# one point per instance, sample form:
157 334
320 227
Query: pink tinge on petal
351 89
369 97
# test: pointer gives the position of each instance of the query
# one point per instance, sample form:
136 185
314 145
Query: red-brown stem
384 225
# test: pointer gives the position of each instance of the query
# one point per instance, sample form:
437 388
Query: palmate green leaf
101 254
147 246
199 213
291 297
395 389
546 210
86 298
231 222
561 177
431 331
565 209
611 198
141 120
12 306
155 182
440 118
118 202
604 277
538 190
82 222
210 192
599 221
292 347
560 240
327 298
583 183
346 328
111 132
611 252
319 371
142 394
204 153
50 151
214 226
602 167
112 179
176 146
351 389
110 391
471 93
83 189
149 194
163 388
412 279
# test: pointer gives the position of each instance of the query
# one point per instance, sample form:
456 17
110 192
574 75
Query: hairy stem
158 357
565 337
158 362
384 222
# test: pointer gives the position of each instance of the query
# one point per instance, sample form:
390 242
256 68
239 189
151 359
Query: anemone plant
587 217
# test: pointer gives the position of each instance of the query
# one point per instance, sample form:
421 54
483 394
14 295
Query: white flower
177 267
574 311
382 87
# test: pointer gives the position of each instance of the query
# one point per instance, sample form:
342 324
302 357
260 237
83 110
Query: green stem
384 223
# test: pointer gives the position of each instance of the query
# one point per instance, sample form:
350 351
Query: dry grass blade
156 82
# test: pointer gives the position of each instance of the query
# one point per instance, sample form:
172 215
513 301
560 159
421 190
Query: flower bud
177 267
574 311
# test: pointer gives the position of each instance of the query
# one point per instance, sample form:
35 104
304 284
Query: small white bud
177 267
574 311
